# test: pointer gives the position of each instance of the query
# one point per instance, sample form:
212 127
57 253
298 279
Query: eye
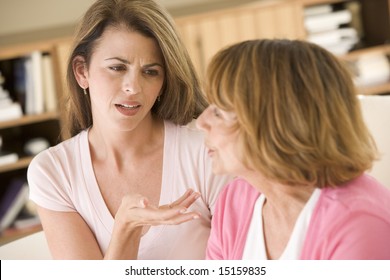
216 112
151 72
227 116
118 68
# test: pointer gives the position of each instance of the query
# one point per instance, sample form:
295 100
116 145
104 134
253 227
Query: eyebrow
128 62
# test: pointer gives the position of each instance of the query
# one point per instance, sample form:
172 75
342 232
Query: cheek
157 86
226 148
232 152
98 82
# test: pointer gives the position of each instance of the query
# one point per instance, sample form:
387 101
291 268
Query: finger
135 200
175 219
183 197
143 202
187 202
159 216
180 200
179 219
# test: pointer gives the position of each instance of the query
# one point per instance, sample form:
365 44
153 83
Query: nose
132 83
201 122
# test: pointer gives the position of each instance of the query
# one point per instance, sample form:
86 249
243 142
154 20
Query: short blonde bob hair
297 111
181 97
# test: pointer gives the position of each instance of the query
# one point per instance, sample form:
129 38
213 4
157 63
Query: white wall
27 15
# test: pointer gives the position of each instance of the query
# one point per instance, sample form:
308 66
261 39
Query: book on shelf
333 37
10 111
19 87
356 11
342 47
338 41
8 108
12 202
371 69
5 101
317 10
23 223
7 157
28 217
34 84
31 80
49 89
327 21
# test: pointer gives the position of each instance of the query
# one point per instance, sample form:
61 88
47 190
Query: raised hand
136 211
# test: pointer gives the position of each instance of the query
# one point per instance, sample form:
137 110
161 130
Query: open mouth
130 107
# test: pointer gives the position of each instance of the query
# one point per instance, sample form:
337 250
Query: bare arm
69 237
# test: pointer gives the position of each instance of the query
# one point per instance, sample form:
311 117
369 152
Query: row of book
370 69
16 210
28 86
31 147
332 29
339 29
8 108
7 157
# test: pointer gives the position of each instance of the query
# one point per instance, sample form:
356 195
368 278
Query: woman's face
125 77
221 139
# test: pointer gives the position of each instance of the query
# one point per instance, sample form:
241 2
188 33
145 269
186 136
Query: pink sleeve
351 222
214 247
363 237
231 220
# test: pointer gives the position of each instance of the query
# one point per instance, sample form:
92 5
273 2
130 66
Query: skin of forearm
124 243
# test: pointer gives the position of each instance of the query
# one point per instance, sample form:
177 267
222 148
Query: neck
279 197
281 209
121 146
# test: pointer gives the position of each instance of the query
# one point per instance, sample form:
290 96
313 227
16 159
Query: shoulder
231 220
353 208
52 174
352 220
364 193
239 187
238 196
185 132
59 154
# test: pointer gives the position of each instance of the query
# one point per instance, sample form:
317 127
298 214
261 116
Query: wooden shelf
383 88
375 89
12 234
319 2
353 55
23 49
20 164
29 119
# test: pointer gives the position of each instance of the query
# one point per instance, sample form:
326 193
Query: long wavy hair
298 113
181 98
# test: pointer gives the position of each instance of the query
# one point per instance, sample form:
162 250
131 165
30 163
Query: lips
128 109
210 152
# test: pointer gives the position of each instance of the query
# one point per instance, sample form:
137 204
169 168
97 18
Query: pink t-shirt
348 222
62 179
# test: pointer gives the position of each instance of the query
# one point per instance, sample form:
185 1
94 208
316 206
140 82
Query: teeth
129 106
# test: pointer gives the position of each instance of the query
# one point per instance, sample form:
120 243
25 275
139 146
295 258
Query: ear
80 71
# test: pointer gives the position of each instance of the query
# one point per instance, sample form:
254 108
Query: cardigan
351 221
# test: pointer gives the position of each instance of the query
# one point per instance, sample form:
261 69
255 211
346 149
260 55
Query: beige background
29 17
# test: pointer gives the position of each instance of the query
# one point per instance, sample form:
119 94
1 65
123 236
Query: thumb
143 202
